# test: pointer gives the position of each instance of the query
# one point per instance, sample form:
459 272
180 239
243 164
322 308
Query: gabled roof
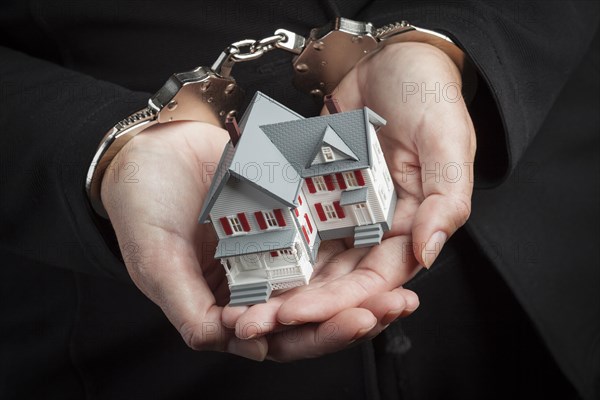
255 159
264 110
220 178
334 140
299 140
275 140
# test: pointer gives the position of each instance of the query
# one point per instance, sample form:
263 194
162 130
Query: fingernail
290 323
362 332
252 349
391 316
433 247
247 331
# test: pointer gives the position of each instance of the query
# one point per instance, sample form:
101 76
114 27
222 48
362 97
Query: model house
290 182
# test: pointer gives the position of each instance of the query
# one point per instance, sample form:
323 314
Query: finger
382 307
314 340
446 148
385 267
412 301
254 349
388 306
333 261
231 315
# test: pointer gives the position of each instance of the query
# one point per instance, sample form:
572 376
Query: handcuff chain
245 50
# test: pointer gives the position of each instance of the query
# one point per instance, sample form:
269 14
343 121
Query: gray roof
298 140
354 196
276 140
220 178
276 239
264 110
245 197
255 158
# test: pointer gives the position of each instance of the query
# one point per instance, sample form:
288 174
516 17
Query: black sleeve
51 121
524 52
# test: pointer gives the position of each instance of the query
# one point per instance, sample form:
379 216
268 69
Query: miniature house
288 183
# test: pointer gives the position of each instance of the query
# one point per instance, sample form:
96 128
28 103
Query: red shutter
339 209
300 200
320 211
329 182
305 235
341 181
296 212
244 221
359 177
226 226
279 217
260 218
274 254
308 223
310 185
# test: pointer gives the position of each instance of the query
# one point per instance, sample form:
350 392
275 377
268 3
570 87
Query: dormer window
327 154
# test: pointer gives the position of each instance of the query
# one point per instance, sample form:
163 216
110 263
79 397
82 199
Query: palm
356 291
158 213
416 134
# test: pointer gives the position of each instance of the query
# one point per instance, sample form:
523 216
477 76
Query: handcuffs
320 63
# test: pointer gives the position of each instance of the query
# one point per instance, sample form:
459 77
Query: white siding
380 184
231 202
327 197
305 210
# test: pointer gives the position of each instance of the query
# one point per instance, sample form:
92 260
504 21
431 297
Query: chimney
332 104
233 129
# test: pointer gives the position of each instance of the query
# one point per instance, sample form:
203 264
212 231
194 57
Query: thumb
446 151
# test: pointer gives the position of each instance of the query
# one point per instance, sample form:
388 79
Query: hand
169 255
155 216
429 145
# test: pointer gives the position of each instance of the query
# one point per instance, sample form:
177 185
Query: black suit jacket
69 70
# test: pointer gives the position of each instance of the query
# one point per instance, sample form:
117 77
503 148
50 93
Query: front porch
273 266
251 278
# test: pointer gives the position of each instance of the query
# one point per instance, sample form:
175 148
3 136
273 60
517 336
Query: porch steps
367 235
250 293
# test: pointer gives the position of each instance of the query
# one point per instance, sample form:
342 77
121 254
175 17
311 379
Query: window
350 179
285 252
270 219
327 153
320 184
330 212
236 225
